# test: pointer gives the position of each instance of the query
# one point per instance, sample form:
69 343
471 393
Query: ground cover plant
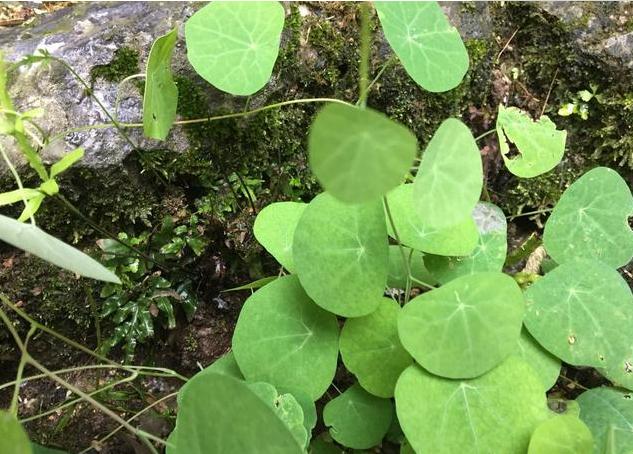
465 365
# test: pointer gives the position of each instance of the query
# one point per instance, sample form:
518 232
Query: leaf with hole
275 228
449 181
591 220
358 155
464 328
429 47
279 330
341 255
546 366
13 438
234 44
563 434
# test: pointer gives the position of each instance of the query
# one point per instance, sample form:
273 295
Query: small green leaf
31 239
372 351
561 435
66 161
32 206
18 195
160 99
49 187
234 44
358 155
429 47
540 144
546 366
259 283
279 330
449 180
464 328
275 228
13 438
591 220
357 419
341 255
494 413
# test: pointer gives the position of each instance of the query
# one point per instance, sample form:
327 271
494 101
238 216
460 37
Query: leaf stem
530 213
487 133
365 52
18 180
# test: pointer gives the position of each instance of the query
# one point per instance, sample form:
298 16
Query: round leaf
357 419
539 144
225 364
280 330
561 435
449 180
546 366
429 47
609 415
234 45
275 228
372 351
495 413
591 220
582 312
464 328
341 255
13 438
358 155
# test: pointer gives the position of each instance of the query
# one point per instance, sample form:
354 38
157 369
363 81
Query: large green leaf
357 419
359 154
341 255
563 434
160 99
591 220
372 351
275 228
219 413
31 239
449 180
495 413
459 239
466 327
582 312
546 366
13 439
429 47
398 272
234 44
280 330
489 254
609 414
540 145
225 364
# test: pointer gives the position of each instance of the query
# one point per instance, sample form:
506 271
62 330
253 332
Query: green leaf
31 239
582 312
357 419
66 161
358 155
429 47
18 195
32 206
372 351
561 435
608 413
308 407
13 438
253 285
398 273
489 254
341 255
275 228
495 413
546 366
459 239
225 365
539 144
591 220
466 327
279 330
160 99
219 413
234 45
449 180
49 187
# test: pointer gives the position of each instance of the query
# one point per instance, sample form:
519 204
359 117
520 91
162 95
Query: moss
124 63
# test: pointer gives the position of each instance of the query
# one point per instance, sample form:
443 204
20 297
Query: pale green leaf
66 161
358 155
429 47
31 239
495 413
341 255
357 419
397 270
540 145
591 220
279 330
160 99
561 435
466 327
32 205
546 366
18 195
49 187
234 44
13 438
449 180
372 351
275 228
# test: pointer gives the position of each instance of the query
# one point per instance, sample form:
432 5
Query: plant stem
18 180
18 379
530 213
365 52
388 63
405 262
117 98
487 133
